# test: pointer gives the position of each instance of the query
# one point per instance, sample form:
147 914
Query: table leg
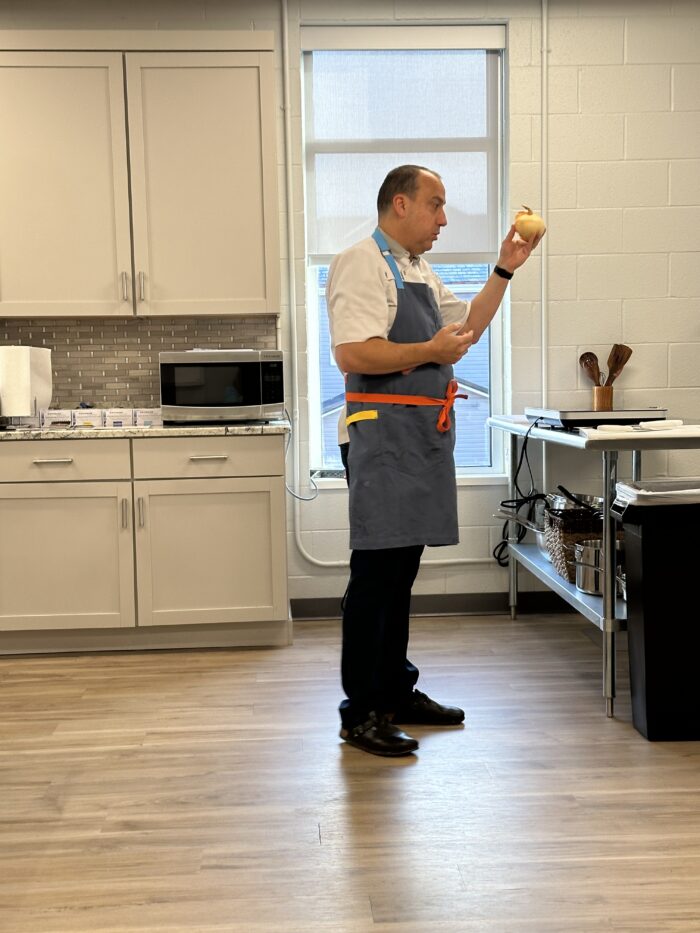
609 579
636 466
513 533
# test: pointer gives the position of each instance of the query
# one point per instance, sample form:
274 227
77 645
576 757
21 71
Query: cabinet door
210 551
66 556
204 182
65 246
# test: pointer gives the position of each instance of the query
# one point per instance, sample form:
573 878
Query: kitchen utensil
589 364
589 570
585 503
558 503
537 530
619 354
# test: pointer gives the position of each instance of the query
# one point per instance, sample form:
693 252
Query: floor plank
163 792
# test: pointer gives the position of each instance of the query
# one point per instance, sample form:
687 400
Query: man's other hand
448 345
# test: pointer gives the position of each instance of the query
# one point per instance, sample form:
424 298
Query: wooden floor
208 791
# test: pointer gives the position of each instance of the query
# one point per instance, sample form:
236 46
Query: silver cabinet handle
142 517
142 286
55 460
125 513
209 457
125 286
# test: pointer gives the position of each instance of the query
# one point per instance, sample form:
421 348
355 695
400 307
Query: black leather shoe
379 737
421 710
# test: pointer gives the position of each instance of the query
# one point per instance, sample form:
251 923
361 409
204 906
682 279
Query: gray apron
403 490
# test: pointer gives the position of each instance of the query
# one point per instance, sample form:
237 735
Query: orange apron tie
444 422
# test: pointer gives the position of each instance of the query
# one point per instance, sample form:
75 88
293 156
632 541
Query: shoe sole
425 722
387 754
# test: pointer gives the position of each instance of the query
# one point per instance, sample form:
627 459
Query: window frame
488 38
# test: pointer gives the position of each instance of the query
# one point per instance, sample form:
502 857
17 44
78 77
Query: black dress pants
376 674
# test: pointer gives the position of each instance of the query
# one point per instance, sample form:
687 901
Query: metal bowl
563 502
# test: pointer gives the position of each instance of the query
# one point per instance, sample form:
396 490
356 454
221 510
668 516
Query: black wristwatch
504 274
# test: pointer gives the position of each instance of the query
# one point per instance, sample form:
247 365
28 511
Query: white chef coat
361 296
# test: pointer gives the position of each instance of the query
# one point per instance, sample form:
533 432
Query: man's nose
442 218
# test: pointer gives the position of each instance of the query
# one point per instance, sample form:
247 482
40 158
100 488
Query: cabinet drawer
191 457
46 461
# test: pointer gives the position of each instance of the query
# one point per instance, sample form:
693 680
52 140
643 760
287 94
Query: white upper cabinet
193 160
65 247
203 176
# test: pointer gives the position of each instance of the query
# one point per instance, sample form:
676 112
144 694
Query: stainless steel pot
537 530
563 502
589 569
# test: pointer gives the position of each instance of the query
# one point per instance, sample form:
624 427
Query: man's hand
515 252
448 345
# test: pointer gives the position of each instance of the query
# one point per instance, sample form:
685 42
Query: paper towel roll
25 381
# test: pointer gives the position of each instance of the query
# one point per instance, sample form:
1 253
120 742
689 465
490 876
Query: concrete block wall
623 187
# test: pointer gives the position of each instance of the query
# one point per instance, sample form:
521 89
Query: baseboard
444 604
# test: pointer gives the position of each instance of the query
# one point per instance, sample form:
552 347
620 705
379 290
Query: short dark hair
400 180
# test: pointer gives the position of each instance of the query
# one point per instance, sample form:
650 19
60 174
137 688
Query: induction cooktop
572 418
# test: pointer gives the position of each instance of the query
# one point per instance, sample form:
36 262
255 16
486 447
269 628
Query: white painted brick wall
663 39
622 184
662 229
574 322
684 180
586 42
684 275
652 320
625 88
662 135
585 231
637 275
684 365
624 203
586 137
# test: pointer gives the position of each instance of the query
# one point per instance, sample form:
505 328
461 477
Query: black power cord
529 500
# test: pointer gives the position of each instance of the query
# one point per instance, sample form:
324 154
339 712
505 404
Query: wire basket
563 528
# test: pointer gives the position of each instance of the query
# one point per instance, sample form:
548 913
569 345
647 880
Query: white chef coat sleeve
452 309
356 296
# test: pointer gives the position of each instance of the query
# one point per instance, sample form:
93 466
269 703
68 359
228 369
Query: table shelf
530 557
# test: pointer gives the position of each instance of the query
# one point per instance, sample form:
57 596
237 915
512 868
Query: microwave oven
221 385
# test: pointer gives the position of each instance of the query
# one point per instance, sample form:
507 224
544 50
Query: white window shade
363 95
403 37
363 119
346 187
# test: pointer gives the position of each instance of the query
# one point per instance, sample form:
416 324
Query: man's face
424 215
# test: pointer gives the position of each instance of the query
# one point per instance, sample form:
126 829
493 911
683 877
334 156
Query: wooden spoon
619 355
589 363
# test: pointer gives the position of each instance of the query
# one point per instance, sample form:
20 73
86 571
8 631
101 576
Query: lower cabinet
210 550
66 556
180 541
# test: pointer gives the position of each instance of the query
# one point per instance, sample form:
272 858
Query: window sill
490 479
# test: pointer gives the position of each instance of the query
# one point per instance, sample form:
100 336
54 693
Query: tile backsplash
113 363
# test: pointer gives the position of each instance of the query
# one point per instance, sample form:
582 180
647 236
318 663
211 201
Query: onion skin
528 224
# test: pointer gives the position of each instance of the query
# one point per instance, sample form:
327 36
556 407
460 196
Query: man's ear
400 204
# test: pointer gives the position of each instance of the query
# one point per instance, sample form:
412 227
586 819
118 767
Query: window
367 110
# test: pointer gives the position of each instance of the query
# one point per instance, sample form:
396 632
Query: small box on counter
148 417
55 417
118 417
87 417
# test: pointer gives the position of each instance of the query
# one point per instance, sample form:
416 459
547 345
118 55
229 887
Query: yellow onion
528 224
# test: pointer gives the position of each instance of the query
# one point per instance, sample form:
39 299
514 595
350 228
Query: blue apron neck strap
381 242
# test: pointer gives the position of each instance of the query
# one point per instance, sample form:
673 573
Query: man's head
411 207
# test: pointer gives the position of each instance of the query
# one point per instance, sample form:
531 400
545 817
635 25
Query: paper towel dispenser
26 383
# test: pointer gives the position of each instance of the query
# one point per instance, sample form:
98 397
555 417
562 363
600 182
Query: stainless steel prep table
606 612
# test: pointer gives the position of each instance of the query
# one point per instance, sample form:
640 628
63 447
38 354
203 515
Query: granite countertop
81 432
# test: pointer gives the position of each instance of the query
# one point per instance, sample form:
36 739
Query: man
396 331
